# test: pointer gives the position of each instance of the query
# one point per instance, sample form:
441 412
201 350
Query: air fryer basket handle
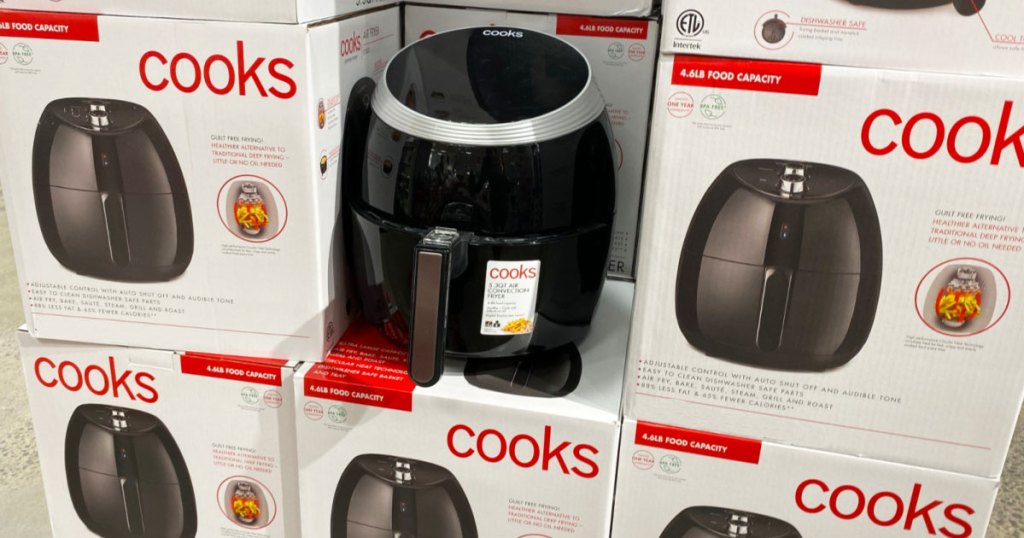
435 255
774 307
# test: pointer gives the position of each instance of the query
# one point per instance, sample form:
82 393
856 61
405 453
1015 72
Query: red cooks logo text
241 74
100 380
524 450
887 508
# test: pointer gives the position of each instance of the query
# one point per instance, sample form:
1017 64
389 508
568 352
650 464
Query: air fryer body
964 7
549 200
126 475
110 196
388 497
714 522
781 280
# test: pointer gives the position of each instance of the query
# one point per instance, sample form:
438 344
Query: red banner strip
749 75
221 368
706 444
358 394
45 25
602 27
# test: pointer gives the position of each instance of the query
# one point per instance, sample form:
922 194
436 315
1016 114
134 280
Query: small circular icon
637 52
337 414
643 460
250 396
690 23
712 107
680 104
22 54
321 114
3 54
671 464
313 411
616 50
273 398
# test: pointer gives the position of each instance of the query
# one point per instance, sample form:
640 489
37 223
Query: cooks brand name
218 73
887 508
100 380
923 135
524 450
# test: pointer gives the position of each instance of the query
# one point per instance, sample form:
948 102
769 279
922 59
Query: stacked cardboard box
823 336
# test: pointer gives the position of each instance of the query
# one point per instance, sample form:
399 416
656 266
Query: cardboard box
512 464
601 8
174 184
673 479
831 260
622 54
137 440
948 36
281 11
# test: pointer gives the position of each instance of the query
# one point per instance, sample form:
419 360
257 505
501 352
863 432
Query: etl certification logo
690 23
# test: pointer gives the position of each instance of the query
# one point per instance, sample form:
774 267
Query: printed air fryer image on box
400 496
781 266
715 521
247 502
110 196
126 474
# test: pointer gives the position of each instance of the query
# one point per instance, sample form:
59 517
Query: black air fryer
388 497
963 7
713 522
109 192
781 266
483 209
126 476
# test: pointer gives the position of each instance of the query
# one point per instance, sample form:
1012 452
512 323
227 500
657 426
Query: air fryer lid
723 522
487 75
489 86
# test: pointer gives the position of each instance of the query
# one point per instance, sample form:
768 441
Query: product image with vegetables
109 192
251 210
781 266
126 475
245 505
481 215
960 301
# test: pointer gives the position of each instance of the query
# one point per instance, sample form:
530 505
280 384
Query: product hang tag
510 297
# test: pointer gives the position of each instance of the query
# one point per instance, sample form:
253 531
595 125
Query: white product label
510 297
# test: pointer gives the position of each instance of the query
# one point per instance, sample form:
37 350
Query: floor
23 508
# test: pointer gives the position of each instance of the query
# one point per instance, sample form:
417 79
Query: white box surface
232 420
266 109
529 466
854 32
280 11
605 8
919 391
665 471
622 54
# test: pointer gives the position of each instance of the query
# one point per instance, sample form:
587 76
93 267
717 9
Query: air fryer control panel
98 115
732 523
795 180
